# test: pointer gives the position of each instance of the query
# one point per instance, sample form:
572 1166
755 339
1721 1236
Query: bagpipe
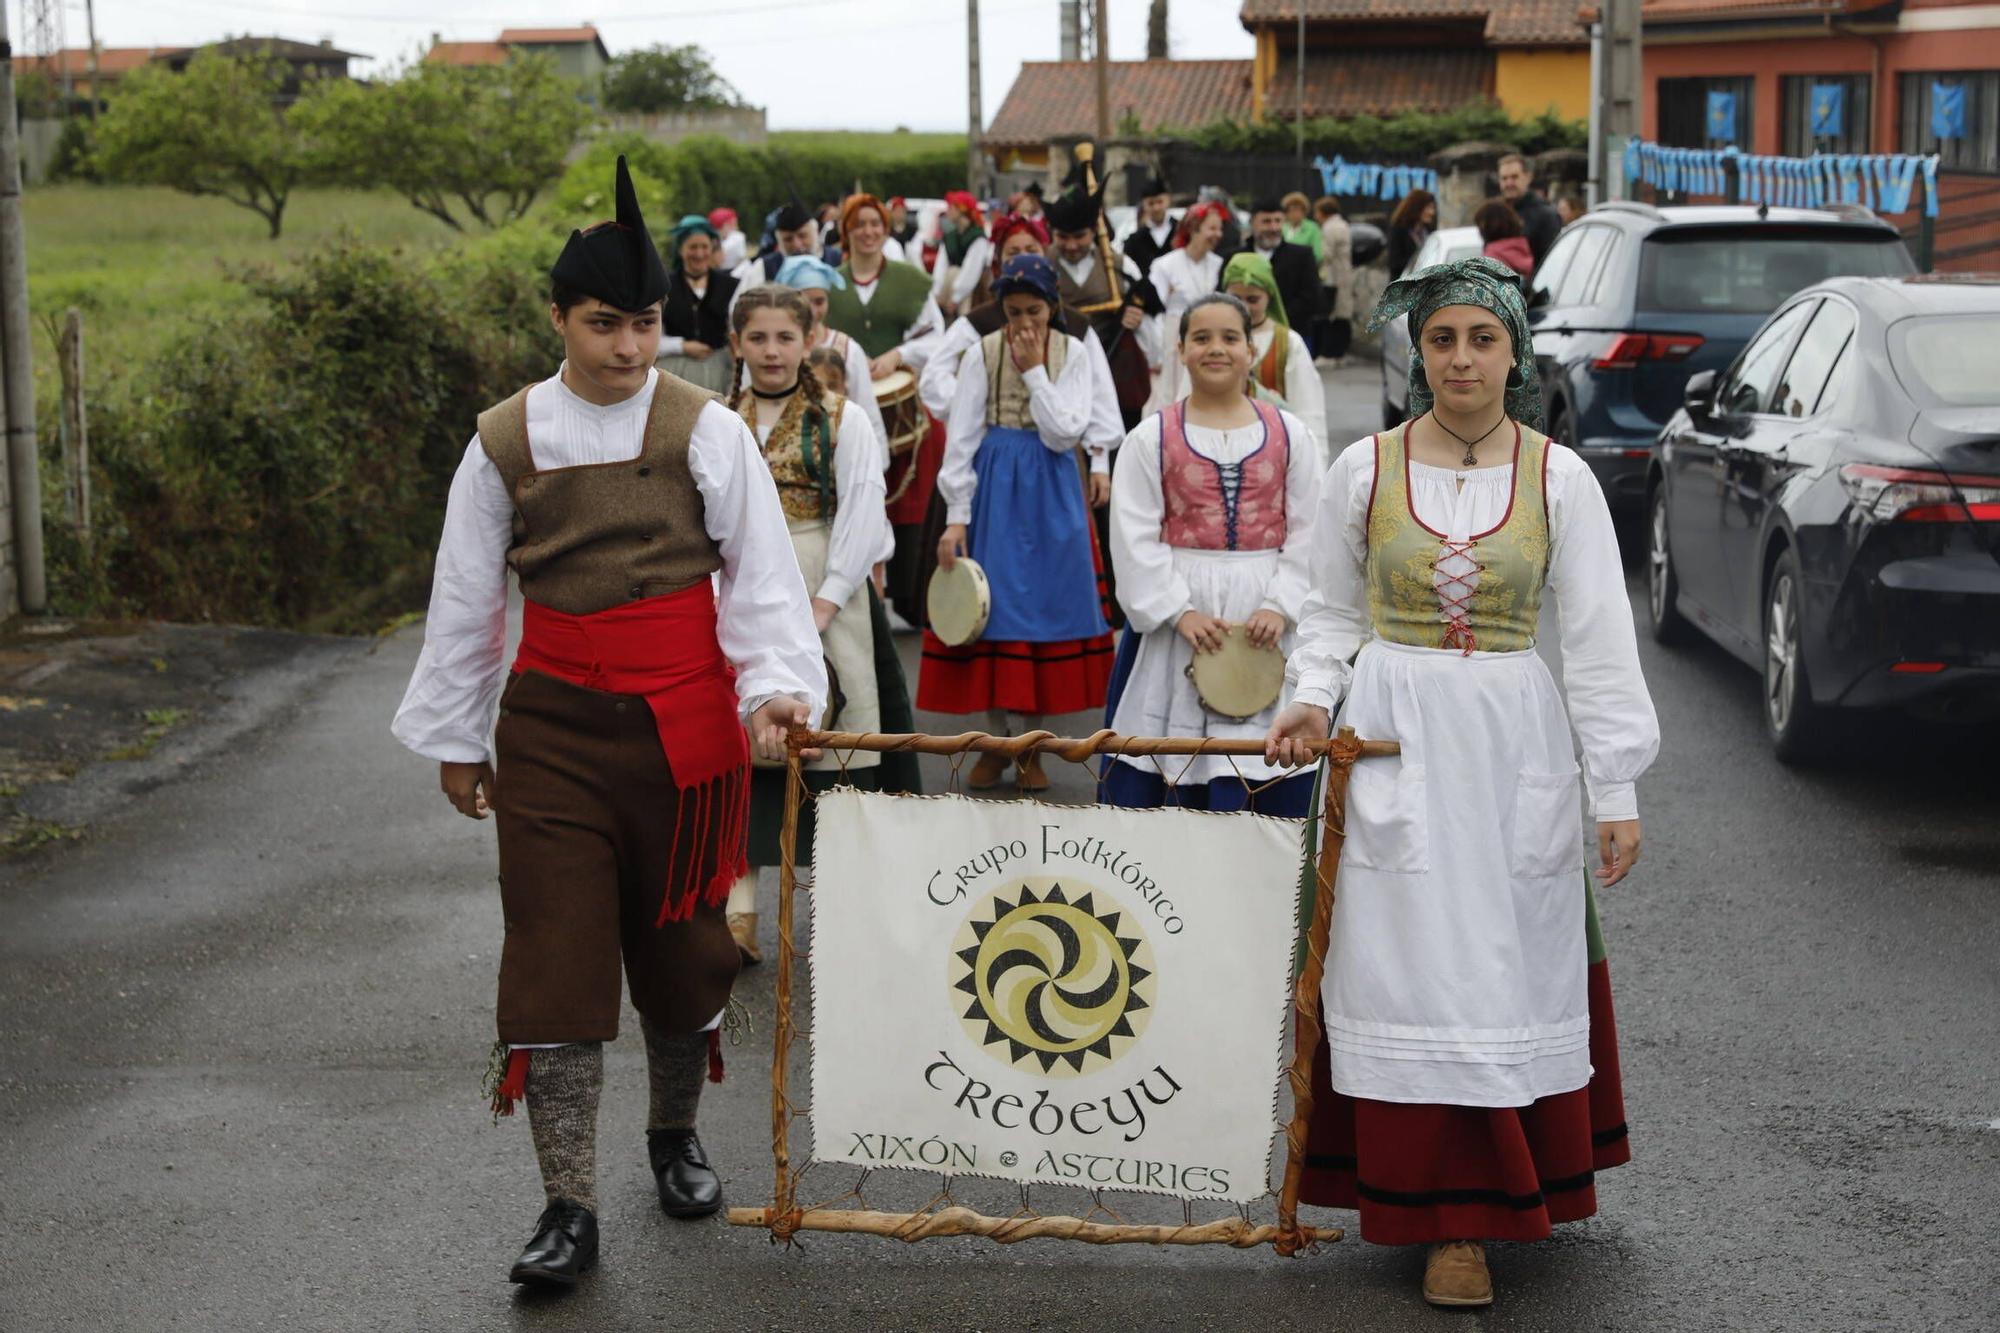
1131 375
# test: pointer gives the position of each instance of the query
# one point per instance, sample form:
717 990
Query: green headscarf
688 226
1253 270
1477 281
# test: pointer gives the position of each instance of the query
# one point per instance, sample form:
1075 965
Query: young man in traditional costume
1467 1087
1153 235
1211 514
1026 400
1131 340
887 308
664 614
1284 366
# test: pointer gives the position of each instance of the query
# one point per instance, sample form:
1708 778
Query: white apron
1457 966
849 644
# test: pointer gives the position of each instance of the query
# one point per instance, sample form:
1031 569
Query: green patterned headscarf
1253 270
1477 281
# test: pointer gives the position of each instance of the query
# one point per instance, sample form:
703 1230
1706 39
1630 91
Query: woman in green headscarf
1468 1082
1282 368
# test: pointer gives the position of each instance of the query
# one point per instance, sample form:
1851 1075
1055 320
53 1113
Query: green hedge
1409 137
290 466
699 174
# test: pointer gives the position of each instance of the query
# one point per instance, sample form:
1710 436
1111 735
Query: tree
214 129
666 78
462 143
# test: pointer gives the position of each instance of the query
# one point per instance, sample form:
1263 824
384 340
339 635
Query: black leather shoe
688 1187
564 1247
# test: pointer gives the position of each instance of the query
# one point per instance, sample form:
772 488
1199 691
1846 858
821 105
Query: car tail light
1916 668
1629 349
1913 495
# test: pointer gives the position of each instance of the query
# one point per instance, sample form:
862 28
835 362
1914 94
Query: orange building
1885 56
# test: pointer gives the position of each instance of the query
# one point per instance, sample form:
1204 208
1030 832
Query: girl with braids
827 462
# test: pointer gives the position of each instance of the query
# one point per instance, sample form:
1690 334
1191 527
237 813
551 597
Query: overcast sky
814 64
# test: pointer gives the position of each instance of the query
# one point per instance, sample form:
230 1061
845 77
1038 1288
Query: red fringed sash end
715 1055
713 823
513 1085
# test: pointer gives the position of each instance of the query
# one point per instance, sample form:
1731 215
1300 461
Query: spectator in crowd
1336 275
1538 218
1569 207
1409 226
1301 228
1500 232
1293 264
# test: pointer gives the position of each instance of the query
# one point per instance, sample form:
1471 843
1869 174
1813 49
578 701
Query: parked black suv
1634 299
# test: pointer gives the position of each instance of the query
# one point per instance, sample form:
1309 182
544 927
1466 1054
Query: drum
1238 680
829 720
903 416
959 602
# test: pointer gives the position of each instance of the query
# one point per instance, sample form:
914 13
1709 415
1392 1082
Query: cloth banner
1721 115
1828 110
1055 995
1371 180
1883 182
1947 110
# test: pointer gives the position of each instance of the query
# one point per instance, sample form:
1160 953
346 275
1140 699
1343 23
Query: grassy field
141 262
889 145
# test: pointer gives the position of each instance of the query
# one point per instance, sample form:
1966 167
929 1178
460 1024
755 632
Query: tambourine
1239 680
959 601
829 720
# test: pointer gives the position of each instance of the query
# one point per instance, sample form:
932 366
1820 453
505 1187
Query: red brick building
1885 56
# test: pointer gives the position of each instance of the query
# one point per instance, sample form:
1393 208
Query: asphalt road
242 1029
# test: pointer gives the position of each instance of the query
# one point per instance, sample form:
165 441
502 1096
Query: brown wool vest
599 535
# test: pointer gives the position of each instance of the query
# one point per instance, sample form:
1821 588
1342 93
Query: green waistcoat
1498 613
899 298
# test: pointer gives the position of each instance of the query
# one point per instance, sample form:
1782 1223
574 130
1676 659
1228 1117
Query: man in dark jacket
1291 264
1153 233
1538 218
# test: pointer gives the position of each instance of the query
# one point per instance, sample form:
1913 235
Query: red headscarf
853 205
720 216
963 199
1008 223
1193 218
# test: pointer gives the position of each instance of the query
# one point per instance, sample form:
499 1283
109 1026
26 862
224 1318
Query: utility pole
1299 93
90 25
1619 87
17 353
975 157
1103 40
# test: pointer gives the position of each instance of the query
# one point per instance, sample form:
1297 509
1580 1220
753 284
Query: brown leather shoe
1031 777
743 929
987 772
1456 1275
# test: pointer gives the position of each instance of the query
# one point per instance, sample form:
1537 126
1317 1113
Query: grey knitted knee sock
675 1067
564 1086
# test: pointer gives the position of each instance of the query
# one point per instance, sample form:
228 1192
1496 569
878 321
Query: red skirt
1015 676
1424 1173
909 508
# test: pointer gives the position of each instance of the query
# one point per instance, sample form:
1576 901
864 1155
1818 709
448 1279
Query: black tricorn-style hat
1154 185
615 261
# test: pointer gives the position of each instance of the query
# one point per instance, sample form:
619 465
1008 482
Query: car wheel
1663 587
1562 428
1392 416
1796 725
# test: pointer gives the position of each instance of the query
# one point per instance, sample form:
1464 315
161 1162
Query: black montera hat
1154 185
615 261
1072 210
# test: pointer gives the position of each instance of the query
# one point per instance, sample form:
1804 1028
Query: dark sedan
1827 508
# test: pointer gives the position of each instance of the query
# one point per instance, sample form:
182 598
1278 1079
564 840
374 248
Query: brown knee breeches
586 806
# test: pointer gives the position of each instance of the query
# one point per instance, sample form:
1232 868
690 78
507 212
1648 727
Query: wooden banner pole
784 1208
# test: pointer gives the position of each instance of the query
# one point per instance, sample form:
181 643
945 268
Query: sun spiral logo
1062 985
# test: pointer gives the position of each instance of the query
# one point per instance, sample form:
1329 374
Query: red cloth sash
665 650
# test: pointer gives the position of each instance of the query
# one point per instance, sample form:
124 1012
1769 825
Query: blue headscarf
1029 275
805 272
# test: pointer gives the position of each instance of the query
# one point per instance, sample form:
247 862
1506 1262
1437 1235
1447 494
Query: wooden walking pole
1344 750
784 1213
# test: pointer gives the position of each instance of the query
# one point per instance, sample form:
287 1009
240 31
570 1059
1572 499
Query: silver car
1440 247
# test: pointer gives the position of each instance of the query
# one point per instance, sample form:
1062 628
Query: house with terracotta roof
1362 57
1380 57
578 53
1873 70
74 63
